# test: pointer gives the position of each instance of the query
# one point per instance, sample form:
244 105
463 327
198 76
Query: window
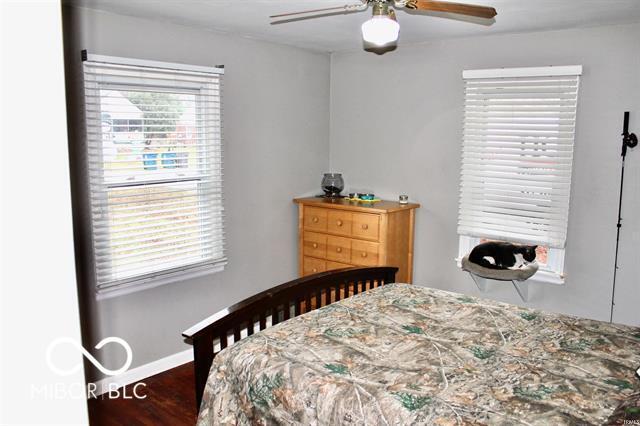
517 155
121 126
154 162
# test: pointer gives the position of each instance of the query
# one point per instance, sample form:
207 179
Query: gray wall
391 123
276 122
627 300
396 128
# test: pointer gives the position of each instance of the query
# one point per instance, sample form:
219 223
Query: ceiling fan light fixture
381 29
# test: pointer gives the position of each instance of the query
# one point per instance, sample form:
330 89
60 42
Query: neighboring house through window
517 155
154 161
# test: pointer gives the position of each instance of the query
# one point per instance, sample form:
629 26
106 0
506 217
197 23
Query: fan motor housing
380 8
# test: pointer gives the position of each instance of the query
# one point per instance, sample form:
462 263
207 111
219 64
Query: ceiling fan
383 28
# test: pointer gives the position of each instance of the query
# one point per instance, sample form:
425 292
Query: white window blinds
154 168
519 127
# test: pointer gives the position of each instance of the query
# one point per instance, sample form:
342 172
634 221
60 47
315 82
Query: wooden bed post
202 356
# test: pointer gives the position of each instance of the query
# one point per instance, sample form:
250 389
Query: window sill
542 276
547 277
158 280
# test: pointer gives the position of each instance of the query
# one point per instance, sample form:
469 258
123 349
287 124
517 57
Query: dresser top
343 204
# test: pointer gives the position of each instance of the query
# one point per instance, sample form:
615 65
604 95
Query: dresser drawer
366 226
336 265
313 266
364 253
338 249
339 222
315 219
315 244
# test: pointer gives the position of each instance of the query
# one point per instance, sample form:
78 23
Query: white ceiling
337 32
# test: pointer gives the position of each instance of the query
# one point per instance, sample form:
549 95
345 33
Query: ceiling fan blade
459 8
346 8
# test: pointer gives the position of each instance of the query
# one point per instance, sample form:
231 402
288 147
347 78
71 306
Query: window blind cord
629 140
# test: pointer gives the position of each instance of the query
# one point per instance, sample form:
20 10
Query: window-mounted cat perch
518 277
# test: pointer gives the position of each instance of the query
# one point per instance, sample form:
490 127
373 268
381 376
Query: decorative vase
332 184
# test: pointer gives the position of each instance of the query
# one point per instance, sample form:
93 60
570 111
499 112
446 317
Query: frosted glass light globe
380 30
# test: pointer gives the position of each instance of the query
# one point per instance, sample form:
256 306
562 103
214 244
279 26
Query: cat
500 255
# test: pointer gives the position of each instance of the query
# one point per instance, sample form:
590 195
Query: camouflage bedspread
403 354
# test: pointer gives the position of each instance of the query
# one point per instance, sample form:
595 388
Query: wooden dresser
336 233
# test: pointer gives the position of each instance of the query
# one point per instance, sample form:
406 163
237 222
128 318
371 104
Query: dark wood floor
170 401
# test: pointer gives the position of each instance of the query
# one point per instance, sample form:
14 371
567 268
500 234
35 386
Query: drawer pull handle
365 226
314 270
339 249
315 219
363 254
339 222
315 245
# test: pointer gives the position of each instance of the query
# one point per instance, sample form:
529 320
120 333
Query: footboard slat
263 321
275 315
287 311
223 340
297 307
308 290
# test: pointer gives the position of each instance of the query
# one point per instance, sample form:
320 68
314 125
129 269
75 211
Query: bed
368 351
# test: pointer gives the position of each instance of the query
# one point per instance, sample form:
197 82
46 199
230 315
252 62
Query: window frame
553 271
153 277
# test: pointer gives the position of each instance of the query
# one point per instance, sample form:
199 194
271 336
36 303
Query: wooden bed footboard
272 306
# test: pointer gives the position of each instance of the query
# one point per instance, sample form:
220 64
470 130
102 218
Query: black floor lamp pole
629 140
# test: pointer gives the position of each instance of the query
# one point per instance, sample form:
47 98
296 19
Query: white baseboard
142 372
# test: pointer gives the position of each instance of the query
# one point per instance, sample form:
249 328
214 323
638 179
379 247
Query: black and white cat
500 255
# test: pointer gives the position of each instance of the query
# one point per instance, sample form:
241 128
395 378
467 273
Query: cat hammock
480 275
